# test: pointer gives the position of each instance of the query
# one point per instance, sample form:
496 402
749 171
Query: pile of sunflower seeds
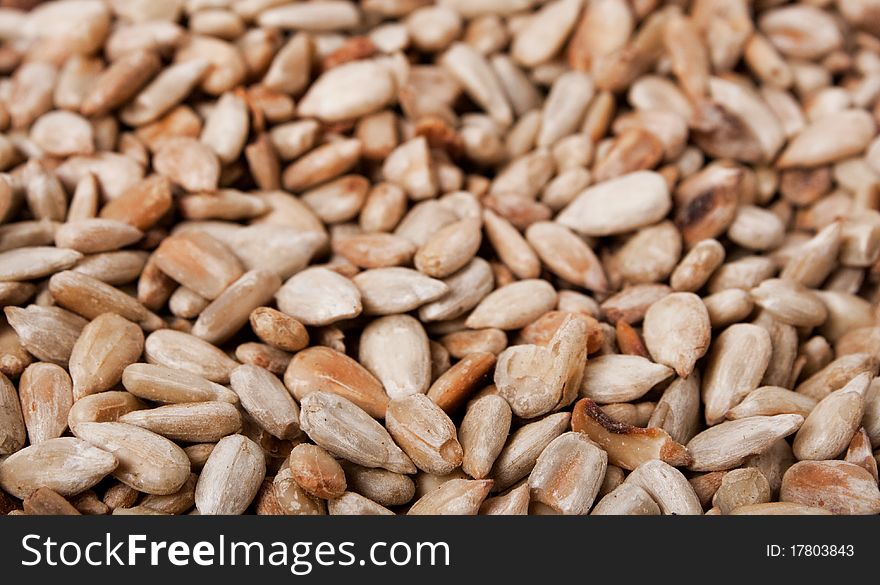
452 257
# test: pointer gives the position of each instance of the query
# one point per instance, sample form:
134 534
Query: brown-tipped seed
514 503
266 399
105 348
832 423
46 394
677 331
627 446
836 486
735 366
456 497
120 81
65 465
458 383
620 378
182 351
345 430
170 386
726 445
192 422
147 462
90 298
425 433
231 477
142 205
521 451
321 369
568 474
317 472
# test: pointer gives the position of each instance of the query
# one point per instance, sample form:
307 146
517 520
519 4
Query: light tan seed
61 133
837 374
482 434
188 163
190 422
182 351
726 445
523 447
65 465
318 296
456 497
790 302
697 266
120 81
513 306
771 400
380 485
735 366
411 289
449 249
46 395
832 423
345 430
231 477
626 500
91 236
567 255
114 268
177 503
677 331
266 399
536 380
395 350
48 333
30 263
667 486
513 503
620 378
619 205
741 487
568 474
104 349
425 433
169 386
147 462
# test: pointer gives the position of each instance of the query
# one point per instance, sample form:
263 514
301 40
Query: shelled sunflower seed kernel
439 257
